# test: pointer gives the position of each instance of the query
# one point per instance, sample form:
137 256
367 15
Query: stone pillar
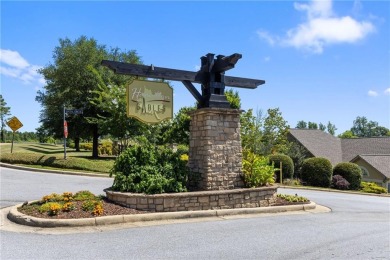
215 157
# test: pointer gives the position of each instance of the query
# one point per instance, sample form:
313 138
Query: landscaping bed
110 208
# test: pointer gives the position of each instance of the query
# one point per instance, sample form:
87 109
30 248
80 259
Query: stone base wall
215 156
200 200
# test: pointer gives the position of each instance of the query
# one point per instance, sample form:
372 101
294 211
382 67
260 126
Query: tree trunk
95 141
77 144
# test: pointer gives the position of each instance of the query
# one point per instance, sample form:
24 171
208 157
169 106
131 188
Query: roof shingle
374 150
319 143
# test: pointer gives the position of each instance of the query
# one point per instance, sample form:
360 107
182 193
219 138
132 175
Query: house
371 154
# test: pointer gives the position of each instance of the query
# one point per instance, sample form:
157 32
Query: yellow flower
184 157
98 210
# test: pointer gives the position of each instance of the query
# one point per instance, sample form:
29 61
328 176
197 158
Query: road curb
89 174
17 217
333 190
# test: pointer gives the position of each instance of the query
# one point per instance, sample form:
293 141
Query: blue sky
321 60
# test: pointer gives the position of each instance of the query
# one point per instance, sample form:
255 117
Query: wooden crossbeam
176 75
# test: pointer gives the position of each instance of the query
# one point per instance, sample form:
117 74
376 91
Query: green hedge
351 172
287 166
56 162
317 171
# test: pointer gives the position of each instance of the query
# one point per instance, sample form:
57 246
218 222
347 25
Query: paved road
357 228
19 186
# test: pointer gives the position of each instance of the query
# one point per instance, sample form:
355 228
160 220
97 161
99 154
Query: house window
364 171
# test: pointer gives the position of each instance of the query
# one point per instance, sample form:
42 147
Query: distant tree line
331 128
361 127
20 136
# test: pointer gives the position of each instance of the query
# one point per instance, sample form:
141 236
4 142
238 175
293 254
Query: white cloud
372 93
13 65
267 59
321 28
267 37
387 91
13 59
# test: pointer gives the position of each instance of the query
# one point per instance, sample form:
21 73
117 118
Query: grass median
52 157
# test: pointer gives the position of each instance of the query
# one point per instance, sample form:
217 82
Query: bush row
104 148
318 172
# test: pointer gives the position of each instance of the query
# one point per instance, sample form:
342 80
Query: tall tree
312 125
347 134
331 128
275 131
4 112
233 98
251 131
179 130
73 81
364 128
321 126
301 125
112 117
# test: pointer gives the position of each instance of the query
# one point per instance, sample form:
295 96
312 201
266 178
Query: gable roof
379 162
319 143
358 146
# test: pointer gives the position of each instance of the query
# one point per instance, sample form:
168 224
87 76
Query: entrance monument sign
215 157
149 101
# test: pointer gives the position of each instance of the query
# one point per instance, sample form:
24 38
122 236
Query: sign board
74 111
14 123
149 101
66 129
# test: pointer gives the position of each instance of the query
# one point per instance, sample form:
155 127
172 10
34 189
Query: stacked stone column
215 157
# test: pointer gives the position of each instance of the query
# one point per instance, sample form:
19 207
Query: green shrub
84 195
68 206
317 172
256 170
351 172
287 165
54 197
371 187
51 208
86 146
89 205
292 198
150 169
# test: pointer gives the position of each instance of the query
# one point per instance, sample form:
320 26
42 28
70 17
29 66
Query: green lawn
49 155
57 150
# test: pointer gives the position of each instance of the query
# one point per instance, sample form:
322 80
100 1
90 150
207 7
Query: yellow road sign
14 123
